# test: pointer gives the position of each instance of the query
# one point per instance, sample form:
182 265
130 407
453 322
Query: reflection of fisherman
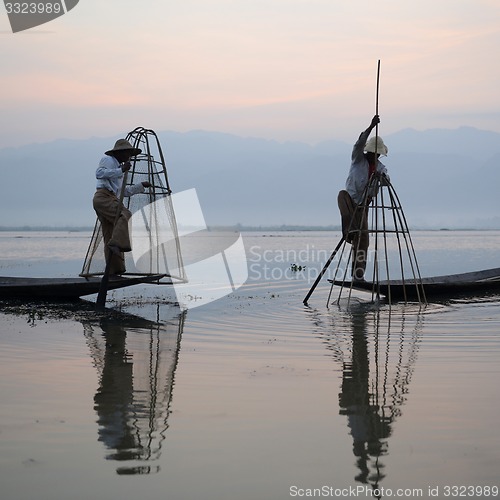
132 402
114 397
364 164
368 427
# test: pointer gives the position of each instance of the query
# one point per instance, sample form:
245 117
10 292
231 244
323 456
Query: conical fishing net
153 227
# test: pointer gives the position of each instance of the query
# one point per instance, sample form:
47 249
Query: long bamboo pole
323 271
327 265
376 105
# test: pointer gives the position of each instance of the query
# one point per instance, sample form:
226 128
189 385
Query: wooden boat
63 288
453 285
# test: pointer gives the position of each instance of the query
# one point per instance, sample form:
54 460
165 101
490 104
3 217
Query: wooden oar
103 288
323 271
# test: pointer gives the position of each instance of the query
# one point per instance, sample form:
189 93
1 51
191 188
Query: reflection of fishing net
377 351
136 361
153 227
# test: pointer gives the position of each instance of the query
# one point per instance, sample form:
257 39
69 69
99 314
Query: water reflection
136 361
377 351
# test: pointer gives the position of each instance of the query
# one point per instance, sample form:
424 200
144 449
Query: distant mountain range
444 178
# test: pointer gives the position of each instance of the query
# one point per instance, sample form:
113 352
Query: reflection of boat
136 362
377 353
62 288
453 285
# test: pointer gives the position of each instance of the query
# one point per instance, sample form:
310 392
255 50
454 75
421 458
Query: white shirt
109 176
358 173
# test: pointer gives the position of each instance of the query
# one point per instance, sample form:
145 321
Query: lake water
253 396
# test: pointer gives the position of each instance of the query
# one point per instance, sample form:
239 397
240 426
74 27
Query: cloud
296 67
62 90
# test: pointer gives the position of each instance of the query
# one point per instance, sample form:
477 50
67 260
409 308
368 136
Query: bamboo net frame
155 240
393 257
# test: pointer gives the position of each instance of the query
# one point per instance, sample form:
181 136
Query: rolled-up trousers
106 206
355 231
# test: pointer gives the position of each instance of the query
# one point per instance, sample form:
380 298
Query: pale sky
279 69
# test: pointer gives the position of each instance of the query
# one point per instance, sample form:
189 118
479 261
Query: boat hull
62 288
453 285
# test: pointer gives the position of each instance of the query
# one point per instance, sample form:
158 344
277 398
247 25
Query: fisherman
354 200
110 210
